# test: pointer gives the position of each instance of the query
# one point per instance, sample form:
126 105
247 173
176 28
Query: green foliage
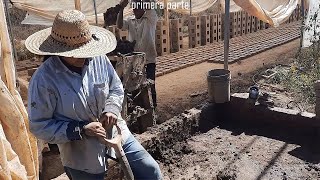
303 73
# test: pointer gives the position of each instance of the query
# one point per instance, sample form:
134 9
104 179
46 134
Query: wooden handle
77 5
121 156
124 163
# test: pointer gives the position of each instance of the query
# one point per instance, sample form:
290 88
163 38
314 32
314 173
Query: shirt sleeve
41 106
152 17
116 93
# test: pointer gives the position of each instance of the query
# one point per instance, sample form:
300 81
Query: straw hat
71 36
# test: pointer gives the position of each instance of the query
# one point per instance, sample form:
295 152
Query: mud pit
216 144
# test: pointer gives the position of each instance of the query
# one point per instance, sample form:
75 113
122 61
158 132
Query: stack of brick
233 24
244 22
194 32
176 35
253 24
239 23
205 30
162 44
249 23
215 28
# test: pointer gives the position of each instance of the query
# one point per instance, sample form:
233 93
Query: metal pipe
190 6
226 33
95 11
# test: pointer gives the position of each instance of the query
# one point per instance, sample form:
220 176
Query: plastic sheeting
312 29
43 12
273 12
18 147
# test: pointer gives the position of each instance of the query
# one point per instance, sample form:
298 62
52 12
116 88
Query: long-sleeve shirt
60 101
143 32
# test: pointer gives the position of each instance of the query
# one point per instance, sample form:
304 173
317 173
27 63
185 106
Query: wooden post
77 5
30 162
7 58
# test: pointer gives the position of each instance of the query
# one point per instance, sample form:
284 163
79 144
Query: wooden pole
77 5
6 49
30 161
95 11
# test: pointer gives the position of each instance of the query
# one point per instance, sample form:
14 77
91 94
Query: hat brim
41 43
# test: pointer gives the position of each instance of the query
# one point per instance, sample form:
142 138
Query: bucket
219 85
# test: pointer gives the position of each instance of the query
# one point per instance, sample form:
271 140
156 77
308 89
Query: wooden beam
77 5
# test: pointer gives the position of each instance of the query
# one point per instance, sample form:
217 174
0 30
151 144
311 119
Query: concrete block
205 30
176 35
243 22
194 32
249 23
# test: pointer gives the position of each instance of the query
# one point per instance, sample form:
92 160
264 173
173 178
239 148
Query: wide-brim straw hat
71 36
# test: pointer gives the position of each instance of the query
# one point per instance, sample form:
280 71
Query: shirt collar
58 65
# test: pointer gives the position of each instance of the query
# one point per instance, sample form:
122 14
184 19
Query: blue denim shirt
61 101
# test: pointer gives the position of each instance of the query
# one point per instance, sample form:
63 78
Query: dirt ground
186 88
232 152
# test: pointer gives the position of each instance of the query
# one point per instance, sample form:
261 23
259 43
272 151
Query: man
75 98
142 28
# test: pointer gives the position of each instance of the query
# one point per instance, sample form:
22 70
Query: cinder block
176 35
162 44
233 24
205 30
239 24
213 28
220 29
194 32
249 23
253 24
244 22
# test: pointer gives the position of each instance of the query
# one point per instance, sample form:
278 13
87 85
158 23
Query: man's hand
124 3
95 129
108 120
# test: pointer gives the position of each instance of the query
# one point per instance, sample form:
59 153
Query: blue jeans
143 166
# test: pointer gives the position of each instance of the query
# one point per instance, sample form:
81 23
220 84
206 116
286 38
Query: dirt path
175 89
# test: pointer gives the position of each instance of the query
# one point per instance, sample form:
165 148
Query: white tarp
42 12
312 29
273 12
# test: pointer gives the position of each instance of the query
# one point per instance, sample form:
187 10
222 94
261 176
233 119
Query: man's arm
41 105
42 102
122 4
116 91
